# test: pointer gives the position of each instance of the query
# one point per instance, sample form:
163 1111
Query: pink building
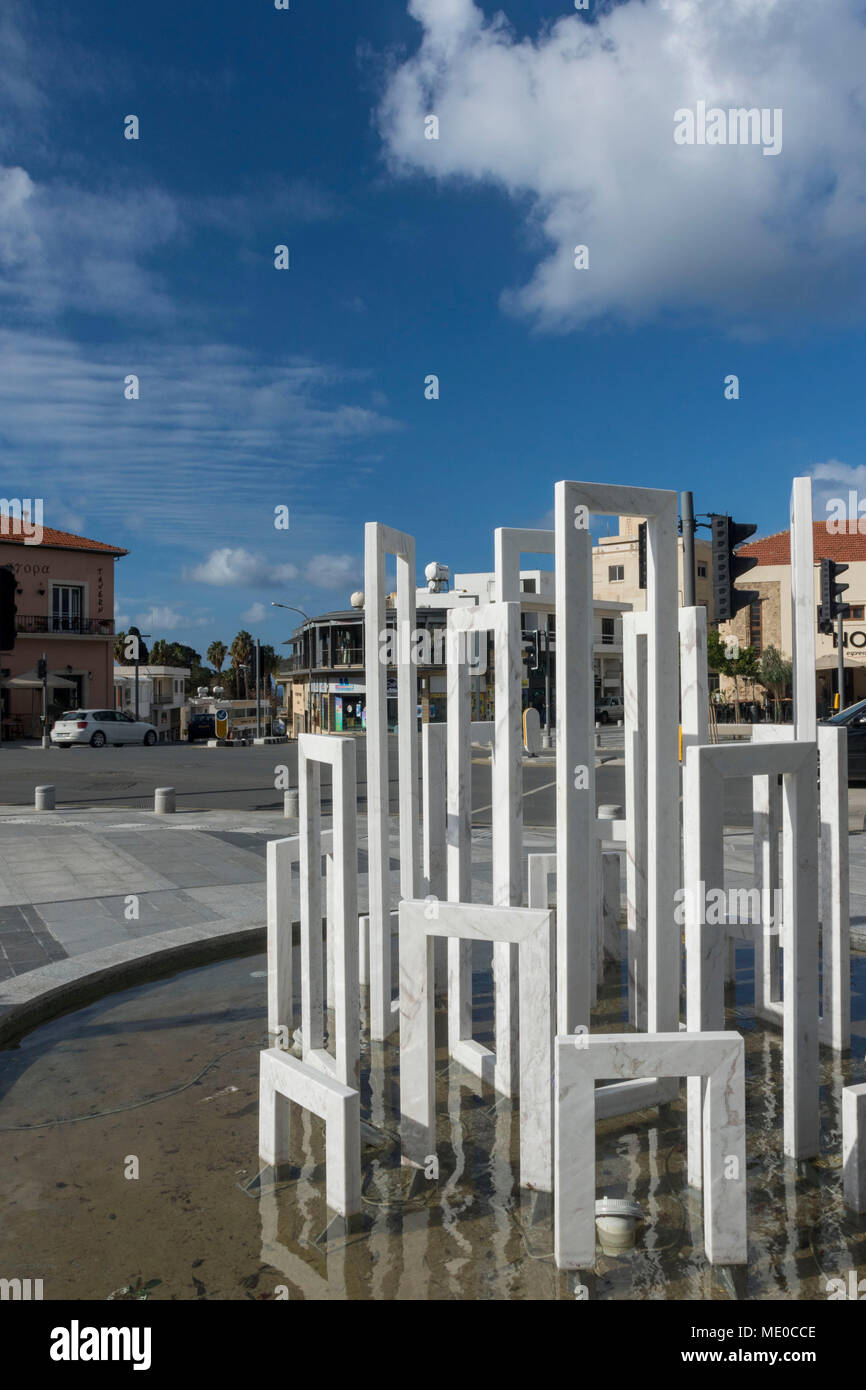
65 602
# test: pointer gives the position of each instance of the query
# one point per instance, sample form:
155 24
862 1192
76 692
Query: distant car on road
854 720
609 709
201 726
100 726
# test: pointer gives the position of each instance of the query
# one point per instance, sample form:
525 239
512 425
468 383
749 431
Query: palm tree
216 655
241 655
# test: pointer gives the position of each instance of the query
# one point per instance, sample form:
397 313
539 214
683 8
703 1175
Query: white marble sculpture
584 1059
530 933
379 542
503 621
854 1147
322 1082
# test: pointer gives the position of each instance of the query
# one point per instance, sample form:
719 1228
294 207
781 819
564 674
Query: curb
29 1000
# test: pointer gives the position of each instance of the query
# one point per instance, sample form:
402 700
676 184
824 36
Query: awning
29 680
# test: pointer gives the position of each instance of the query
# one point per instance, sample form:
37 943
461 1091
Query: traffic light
728 566
831 592
641 555
42 668
8 609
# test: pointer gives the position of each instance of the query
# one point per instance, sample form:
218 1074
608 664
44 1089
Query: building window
607 631
702 571
755 624
527 586
67 607
855 614
615 574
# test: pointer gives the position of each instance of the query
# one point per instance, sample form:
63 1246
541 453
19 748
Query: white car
100 726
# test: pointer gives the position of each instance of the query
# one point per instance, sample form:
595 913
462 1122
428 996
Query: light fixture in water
615 1222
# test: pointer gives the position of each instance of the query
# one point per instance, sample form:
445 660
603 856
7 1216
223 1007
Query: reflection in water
152 1072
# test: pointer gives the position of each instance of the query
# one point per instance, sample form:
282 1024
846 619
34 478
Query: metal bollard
291 806
45 798
163 801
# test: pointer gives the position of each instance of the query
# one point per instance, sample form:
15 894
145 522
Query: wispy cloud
215 442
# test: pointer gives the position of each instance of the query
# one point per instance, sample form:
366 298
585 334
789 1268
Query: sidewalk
74 882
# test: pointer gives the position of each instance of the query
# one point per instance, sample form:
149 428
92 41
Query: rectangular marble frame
835 1021
338 753
854 1147
580 1062
694 704
434 746
379 542
577 881
503 620
281 856
704 772
531 933
283 1081
509 542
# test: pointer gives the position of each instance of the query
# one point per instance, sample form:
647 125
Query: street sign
221 723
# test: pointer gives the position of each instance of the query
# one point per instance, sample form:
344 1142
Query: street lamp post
292 609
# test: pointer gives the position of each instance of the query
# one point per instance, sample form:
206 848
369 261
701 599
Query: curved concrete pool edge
36 997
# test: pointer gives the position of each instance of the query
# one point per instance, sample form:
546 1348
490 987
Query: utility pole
43 671
258 688
687 512
840 658
545 740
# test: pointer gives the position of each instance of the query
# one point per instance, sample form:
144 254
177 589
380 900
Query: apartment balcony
43 624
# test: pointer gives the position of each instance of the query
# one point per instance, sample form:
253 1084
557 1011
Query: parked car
609 709
100 726
854 720
201 726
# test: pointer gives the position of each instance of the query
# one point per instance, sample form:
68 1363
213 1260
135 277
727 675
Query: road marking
479 810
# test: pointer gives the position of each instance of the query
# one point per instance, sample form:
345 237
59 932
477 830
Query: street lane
246 779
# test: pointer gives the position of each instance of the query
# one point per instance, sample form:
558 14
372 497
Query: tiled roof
59 540
776 550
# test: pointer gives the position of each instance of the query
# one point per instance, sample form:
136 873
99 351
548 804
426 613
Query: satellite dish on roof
357 599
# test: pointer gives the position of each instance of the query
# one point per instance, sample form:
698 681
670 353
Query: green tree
776 675
241 653
726 657
216 655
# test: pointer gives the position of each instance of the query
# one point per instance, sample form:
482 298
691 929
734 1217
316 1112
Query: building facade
65 610
615 568
161 696
767 620
325 675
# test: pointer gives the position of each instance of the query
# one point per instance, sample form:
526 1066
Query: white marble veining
854 1147
583 1060
281 856
284 1081
704 773
379 542
339 754
503 621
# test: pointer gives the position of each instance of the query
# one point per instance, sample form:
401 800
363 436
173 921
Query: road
246 779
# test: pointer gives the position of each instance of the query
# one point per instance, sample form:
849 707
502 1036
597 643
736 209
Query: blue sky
408 257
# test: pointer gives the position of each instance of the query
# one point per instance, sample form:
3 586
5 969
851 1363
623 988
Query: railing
78 627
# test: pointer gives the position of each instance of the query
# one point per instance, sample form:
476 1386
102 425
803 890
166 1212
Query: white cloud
333 571
241 569
833 479
256 613
162 619
576 125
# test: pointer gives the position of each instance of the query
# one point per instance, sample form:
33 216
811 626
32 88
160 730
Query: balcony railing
76 627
